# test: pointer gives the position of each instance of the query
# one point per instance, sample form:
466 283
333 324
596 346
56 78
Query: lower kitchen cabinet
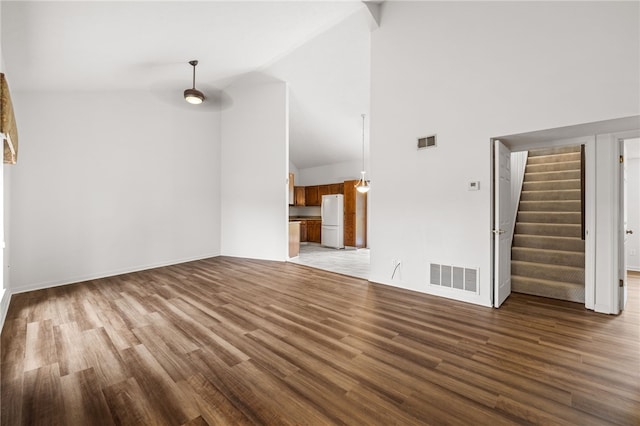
294 239
314 230
303 231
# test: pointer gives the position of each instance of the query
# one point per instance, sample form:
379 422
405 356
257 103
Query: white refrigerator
332 221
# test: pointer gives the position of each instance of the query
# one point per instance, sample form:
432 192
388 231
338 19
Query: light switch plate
474 185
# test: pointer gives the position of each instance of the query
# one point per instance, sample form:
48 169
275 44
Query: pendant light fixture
363 185
193 95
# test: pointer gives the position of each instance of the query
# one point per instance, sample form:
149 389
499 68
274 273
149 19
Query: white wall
329 85
633 212
109 183
5 286
255 195
331 173
469 72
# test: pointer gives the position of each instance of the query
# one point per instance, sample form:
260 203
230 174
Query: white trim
446 292
590 224
5 299
551 143
79 279
618 232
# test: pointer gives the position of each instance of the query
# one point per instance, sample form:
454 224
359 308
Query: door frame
619 237
590 203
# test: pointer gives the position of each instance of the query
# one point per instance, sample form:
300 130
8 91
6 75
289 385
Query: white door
503 226
622 252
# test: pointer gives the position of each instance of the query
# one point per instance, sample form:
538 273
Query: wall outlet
395 262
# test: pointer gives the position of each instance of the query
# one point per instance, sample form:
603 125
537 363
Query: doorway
603 221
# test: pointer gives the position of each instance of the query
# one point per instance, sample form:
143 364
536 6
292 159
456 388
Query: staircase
547 256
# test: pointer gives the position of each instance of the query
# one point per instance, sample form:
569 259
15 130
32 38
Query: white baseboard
4 306
474 299
97 276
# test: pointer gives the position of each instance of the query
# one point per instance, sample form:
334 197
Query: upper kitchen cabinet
323 190
336 188
312 196
299 196
292 197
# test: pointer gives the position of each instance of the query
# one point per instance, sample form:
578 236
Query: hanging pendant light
363 185
193 95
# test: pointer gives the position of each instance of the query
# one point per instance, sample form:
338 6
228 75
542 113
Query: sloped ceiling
89 46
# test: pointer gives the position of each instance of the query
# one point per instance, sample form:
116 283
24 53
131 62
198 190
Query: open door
503 226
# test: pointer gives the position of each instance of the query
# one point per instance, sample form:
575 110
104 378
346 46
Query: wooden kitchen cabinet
311 196
292 197
336 188
323 190
314 230
299 195
355 216
303 231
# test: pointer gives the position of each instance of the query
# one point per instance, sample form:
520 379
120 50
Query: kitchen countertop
294 218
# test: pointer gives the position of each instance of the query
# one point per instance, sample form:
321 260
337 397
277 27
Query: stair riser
553 167
550 206
567 194
549 229
552 151
549 217
551 184
547 272
575 294
549 243
568 258
545 176
555 158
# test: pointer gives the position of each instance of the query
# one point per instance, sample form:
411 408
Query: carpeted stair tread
551 185
549 243
548 288
551 206
570 274
547 195
553 167
553 151
553 158
554 257
549 229
557 175
549 217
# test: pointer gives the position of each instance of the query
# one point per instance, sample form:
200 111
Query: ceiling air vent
427 142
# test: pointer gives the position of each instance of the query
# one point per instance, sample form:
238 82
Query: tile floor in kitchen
352 262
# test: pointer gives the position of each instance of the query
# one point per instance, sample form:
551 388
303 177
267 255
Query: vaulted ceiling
320 48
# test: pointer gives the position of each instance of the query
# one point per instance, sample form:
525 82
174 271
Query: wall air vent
455 277
427 142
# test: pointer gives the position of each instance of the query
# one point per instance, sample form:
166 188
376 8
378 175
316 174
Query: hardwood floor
233 341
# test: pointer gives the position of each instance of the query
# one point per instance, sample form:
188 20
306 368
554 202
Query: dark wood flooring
233 341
